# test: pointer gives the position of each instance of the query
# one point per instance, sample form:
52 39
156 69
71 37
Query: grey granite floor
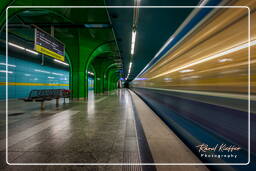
101 130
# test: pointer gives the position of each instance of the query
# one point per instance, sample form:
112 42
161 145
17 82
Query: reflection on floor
101 130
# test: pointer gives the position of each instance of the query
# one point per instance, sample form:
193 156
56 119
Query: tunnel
128 85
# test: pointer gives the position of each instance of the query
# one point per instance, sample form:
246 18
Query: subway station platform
113 128
127 85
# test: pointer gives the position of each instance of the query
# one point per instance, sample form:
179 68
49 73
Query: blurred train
200 86
214 57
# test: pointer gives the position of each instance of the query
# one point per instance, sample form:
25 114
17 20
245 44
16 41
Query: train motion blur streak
200 87
213 58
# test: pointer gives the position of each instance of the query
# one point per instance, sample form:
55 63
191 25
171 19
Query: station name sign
48 45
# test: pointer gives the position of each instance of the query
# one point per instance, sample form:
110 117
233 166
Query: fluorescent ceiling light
129 70
232 50
17 46
22 48
31 51
130 66
91 73
61 62
51 77
133 42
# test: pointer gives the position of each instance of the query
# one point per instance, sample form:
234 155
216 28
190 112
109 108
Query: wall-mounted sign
48 45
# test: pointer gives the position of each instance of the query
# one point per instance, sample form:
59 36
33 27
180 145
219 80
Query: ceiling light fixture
22 48
31 51
133 42
55 60
17 46
129 70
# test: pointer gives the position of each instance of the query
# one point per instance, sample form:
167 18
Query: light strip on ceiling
55 60
133 42
17 46
129 70
232 50
91 73
22 48
31 51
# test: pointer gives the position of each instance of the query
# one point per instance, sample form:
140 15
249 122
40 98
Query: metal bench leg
57 102
42 105
64 100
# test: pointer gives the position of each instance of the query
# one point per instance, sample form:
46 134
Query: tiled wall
90 83
28 73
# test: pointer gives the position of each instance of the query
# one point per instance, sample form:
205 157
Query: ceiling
154 26
87 25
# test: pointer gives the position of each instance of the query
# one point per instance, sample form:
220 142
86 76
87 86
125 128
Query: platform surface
100 130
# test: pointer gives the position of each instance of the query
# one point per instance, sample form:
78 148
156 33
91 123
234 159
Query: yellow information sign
49 45
45 51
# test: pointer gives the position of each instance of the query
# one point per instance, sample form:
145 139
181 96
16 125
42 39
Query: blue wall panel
25 71
90 83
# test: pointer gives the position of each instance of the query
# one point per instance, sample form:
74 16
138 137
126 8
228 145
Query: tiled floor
101 130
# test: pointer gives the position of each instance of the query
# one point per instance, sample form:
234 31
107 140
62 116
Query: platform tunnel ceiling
75 28
153 28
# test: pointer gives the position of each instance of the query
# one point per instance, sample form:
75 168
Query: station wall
90 83
25 75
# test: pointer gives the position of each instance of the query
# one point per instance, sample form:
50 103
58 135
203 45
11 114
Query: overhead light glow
51 77
232 50
133 42
55 60
17 46
129 70
31 51
22 48
91 73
